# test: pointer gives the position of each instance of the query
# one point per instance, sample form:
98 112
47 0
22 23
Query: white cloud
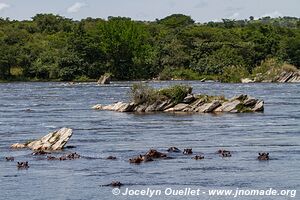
76 7
234 16
272 14
3 6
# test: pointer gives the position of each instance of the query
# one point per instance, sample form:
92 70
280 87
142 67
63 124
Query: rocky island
179 98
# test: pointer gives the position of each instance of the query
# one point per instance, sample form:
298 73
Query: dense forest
52 47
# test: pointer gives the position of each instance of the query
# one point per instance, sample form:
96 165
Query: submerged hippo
9 158
149 156
263 156
187 151
23 165
224 153
136 160
198 157
40 152
114 184
174 149
140 158
70 156
152 153
111 158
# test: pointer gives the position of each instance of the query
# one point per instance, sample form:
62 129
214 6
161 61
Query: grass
209 99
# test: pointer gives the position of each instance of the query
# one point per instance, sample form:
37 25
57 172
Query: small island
179 98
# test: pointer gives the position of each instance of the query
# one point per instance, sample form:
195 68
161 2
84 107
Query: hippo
114 184
73 156
51 158
40 152
23 165
224 153
111 158
9 158
152 153
263 156
136 160
174 149
187 151
198 157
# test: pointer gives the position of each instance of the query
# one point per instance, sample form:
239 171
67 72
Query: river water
98 134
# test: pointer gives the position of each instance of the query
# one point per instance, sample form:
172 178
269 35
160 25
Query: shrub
234 74
176 93
143 94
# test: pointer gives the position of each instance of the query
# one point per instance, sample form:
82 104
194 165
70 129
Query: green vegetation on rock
143 94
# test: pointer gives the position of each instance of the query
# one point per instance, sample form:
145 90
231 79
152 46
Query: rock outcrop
191 104
289 77
283 77
104 79
50 142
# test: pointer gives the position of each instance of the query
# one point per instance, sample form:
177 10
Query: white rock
229 106
53 141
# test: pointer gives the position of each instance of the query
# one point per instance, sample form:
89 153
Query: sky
149 10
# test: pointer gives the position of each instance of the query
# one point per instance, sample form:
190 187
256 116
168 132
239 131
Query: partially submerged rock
104 79
247 80
185 102
53 141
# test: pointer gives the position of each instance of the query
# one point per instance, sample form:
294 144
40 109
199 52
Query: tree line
52 47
